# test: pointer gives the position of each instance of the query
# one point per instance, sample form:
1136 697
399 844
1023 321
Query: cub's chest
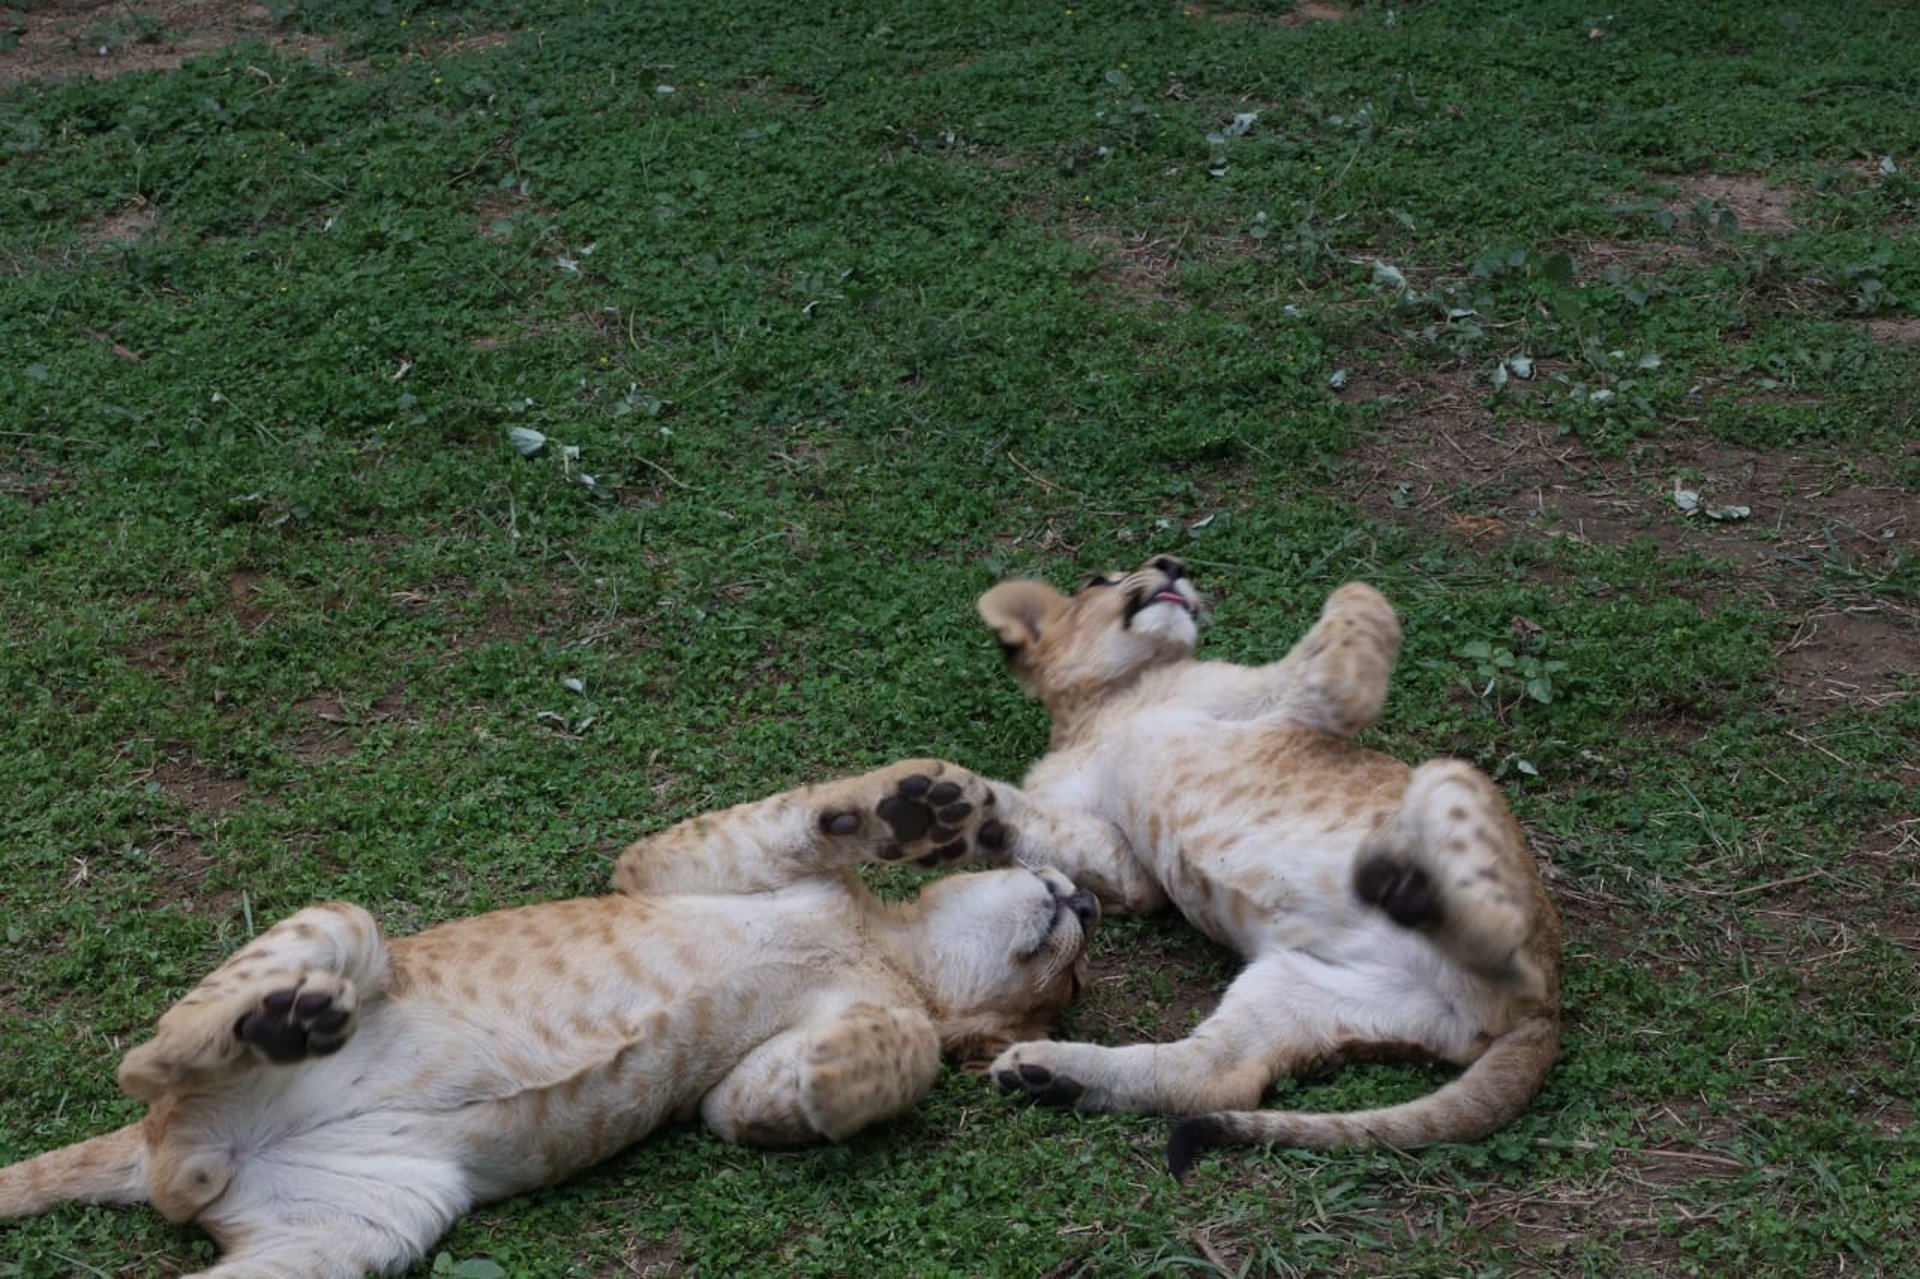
1128 752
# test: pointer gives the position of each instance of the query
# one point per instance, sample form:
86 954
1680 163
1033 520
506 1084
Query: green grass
851 310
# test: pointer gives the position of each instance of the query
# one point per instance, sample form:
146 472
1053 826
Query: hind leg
1453 864
291 993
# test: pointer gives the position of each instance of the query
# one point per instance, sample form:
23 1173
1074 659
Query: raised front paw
1346 659
312 1017
925 810
1021 1071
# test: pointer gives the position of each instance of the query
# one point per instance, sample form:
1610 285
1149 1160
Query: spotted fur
329 1101
1382 910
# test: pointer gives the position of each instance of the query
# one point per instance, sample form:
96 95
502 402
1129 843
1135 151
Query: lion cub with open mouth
328 1101
1383 911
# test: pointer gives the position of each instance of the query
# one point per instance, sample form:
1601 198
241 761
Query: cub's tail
110 1168
1487 1095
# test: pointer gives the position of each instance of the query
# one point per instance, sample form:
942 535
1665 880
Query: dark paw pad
1401 889
905 816
289 1025
1040 1084
839 823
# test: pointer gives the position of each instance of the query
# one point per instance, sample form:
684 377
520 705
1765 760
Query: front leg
1334 678
1253 1038
1092 852
291 993
828 1079
925 811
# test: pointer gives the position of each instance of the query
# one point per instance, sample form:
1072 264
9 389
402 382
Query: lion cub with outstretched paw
1383 911
328 1102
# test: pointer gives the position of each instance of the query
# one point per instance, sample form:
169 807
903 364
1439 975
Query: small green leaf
527 441
1558 268
478 1268
1540 689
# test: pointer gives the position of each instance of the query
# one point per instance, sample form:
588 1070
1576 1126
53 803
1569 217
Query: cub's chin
1167 618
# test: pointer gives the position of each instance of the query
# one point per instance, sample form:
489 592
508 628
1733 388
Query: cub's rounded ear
1020 611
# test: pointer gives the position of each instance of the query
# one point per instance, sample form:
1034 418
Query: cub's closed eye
1098 579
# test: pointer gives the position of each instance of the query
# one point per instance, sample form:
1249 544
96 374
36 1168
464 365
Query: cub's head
1000 954
1068 648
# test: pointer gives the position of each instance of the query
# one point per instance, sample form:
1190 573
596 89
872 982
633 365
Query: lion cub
328 1102
1382 910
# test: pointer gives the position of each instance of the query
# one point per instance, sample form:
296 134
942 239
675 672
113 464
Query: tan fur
1381 909
329 1101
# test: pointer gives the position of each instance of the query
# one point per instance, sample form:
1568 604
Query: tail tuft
1191 1138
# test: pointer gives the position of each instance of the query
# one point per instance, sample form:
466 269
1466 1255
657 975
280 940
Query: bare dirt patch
1842 658
496 211
1302 13
243 596
1594 259
199 788
31 478
1152 987
652 1258
1442 459
456 46
1758 205
1820 530
1137 267
129 225
325 734
176 854
1904 331
106 38
180 864
328 723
